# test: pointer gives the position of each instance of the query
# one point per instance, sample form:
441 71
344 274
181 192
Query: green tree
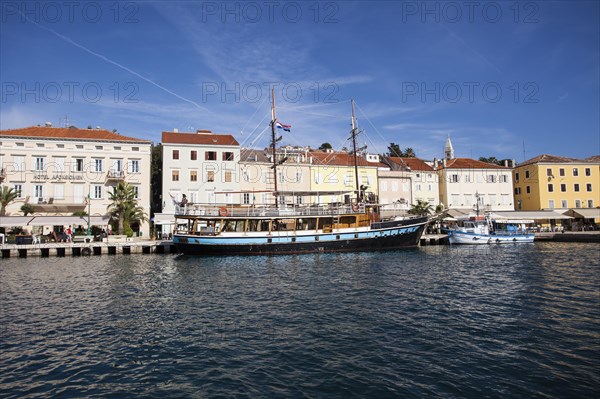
133 214
7 195
409 153
27 209
492 160
325 146
394 150
122 197
421 208
156 185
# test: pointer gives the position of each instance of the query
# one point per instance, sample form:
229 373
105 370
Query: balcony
115 175
60 205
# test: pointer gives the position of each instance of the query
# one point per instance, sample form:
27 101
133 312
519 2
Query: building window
227 176
467 178
38 191
588 172
491 179
576 187
590 203
98 165
97 192
527 174
577 203
39 164
117 148
79 147
59 191
135 148
517 190
564 204
194 155
551 204
503 178
454 178
60 146
175 175
528 189
19 190
517 176
563 188
136 191
588 187
418 187
549 172
193 175
210 156
134 166
246 199
99 147
394 186
575 172
228 156
298 200
561 172
175 154
210 176
550 188
78 165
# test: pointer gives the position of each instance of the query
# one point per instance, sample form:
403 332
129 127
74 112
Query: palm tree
122 197
133 213
421 208
7 195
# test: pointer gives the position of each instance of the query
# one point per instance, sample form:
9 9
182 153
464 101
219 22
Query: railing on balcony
268 211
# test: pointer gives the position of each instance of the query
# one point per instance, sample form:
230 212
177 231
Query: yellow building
553 182
332 173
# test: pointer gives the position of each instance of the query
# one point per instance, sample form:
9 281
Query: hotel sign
43 177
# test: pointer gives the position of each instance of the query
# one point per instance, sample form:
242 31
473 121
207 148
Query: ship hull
458 237
337 241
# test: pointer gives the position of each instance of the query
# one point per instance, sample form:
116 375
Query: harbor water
509 321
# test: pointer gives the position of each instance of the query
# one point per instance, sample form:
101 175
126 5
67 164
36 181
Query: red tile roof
198 138
412 163
468 163
340 158
71 133
546 158
595 159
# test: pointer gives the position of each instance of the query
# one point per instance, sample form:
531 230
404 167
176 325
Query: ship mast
273 147
354 134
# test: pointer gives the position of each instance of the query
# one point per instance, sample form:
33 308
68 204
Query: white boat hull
459 237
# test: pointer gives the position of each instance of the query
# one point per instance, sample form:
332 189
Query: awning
68 220
21 221
514 221
526 215
585 213
164 218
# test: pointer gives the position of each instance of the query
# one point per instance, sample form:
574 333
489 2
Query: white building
55 169
201 165
424 180
462 180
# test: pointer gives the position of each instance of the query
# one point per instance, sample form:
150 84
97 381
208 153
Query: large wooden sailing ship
280 229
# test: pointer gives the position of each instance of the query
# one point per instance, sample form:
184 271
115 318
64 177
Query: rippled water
506 321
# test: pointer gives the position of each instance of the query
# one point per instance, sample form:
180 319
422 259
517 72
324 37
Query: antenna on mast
273 146
354 132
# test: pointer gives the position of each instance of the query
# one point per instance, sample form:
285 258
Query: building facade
466 183
554 182
424 180
56 169
201 165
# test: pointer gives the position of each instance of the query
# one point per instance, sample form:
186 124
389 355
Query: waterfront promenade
138 246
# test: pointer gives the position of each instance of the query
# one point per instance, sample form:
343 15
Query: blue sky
499 77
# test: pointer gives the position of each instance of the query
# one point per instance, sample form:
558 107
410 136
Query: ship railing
268 211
